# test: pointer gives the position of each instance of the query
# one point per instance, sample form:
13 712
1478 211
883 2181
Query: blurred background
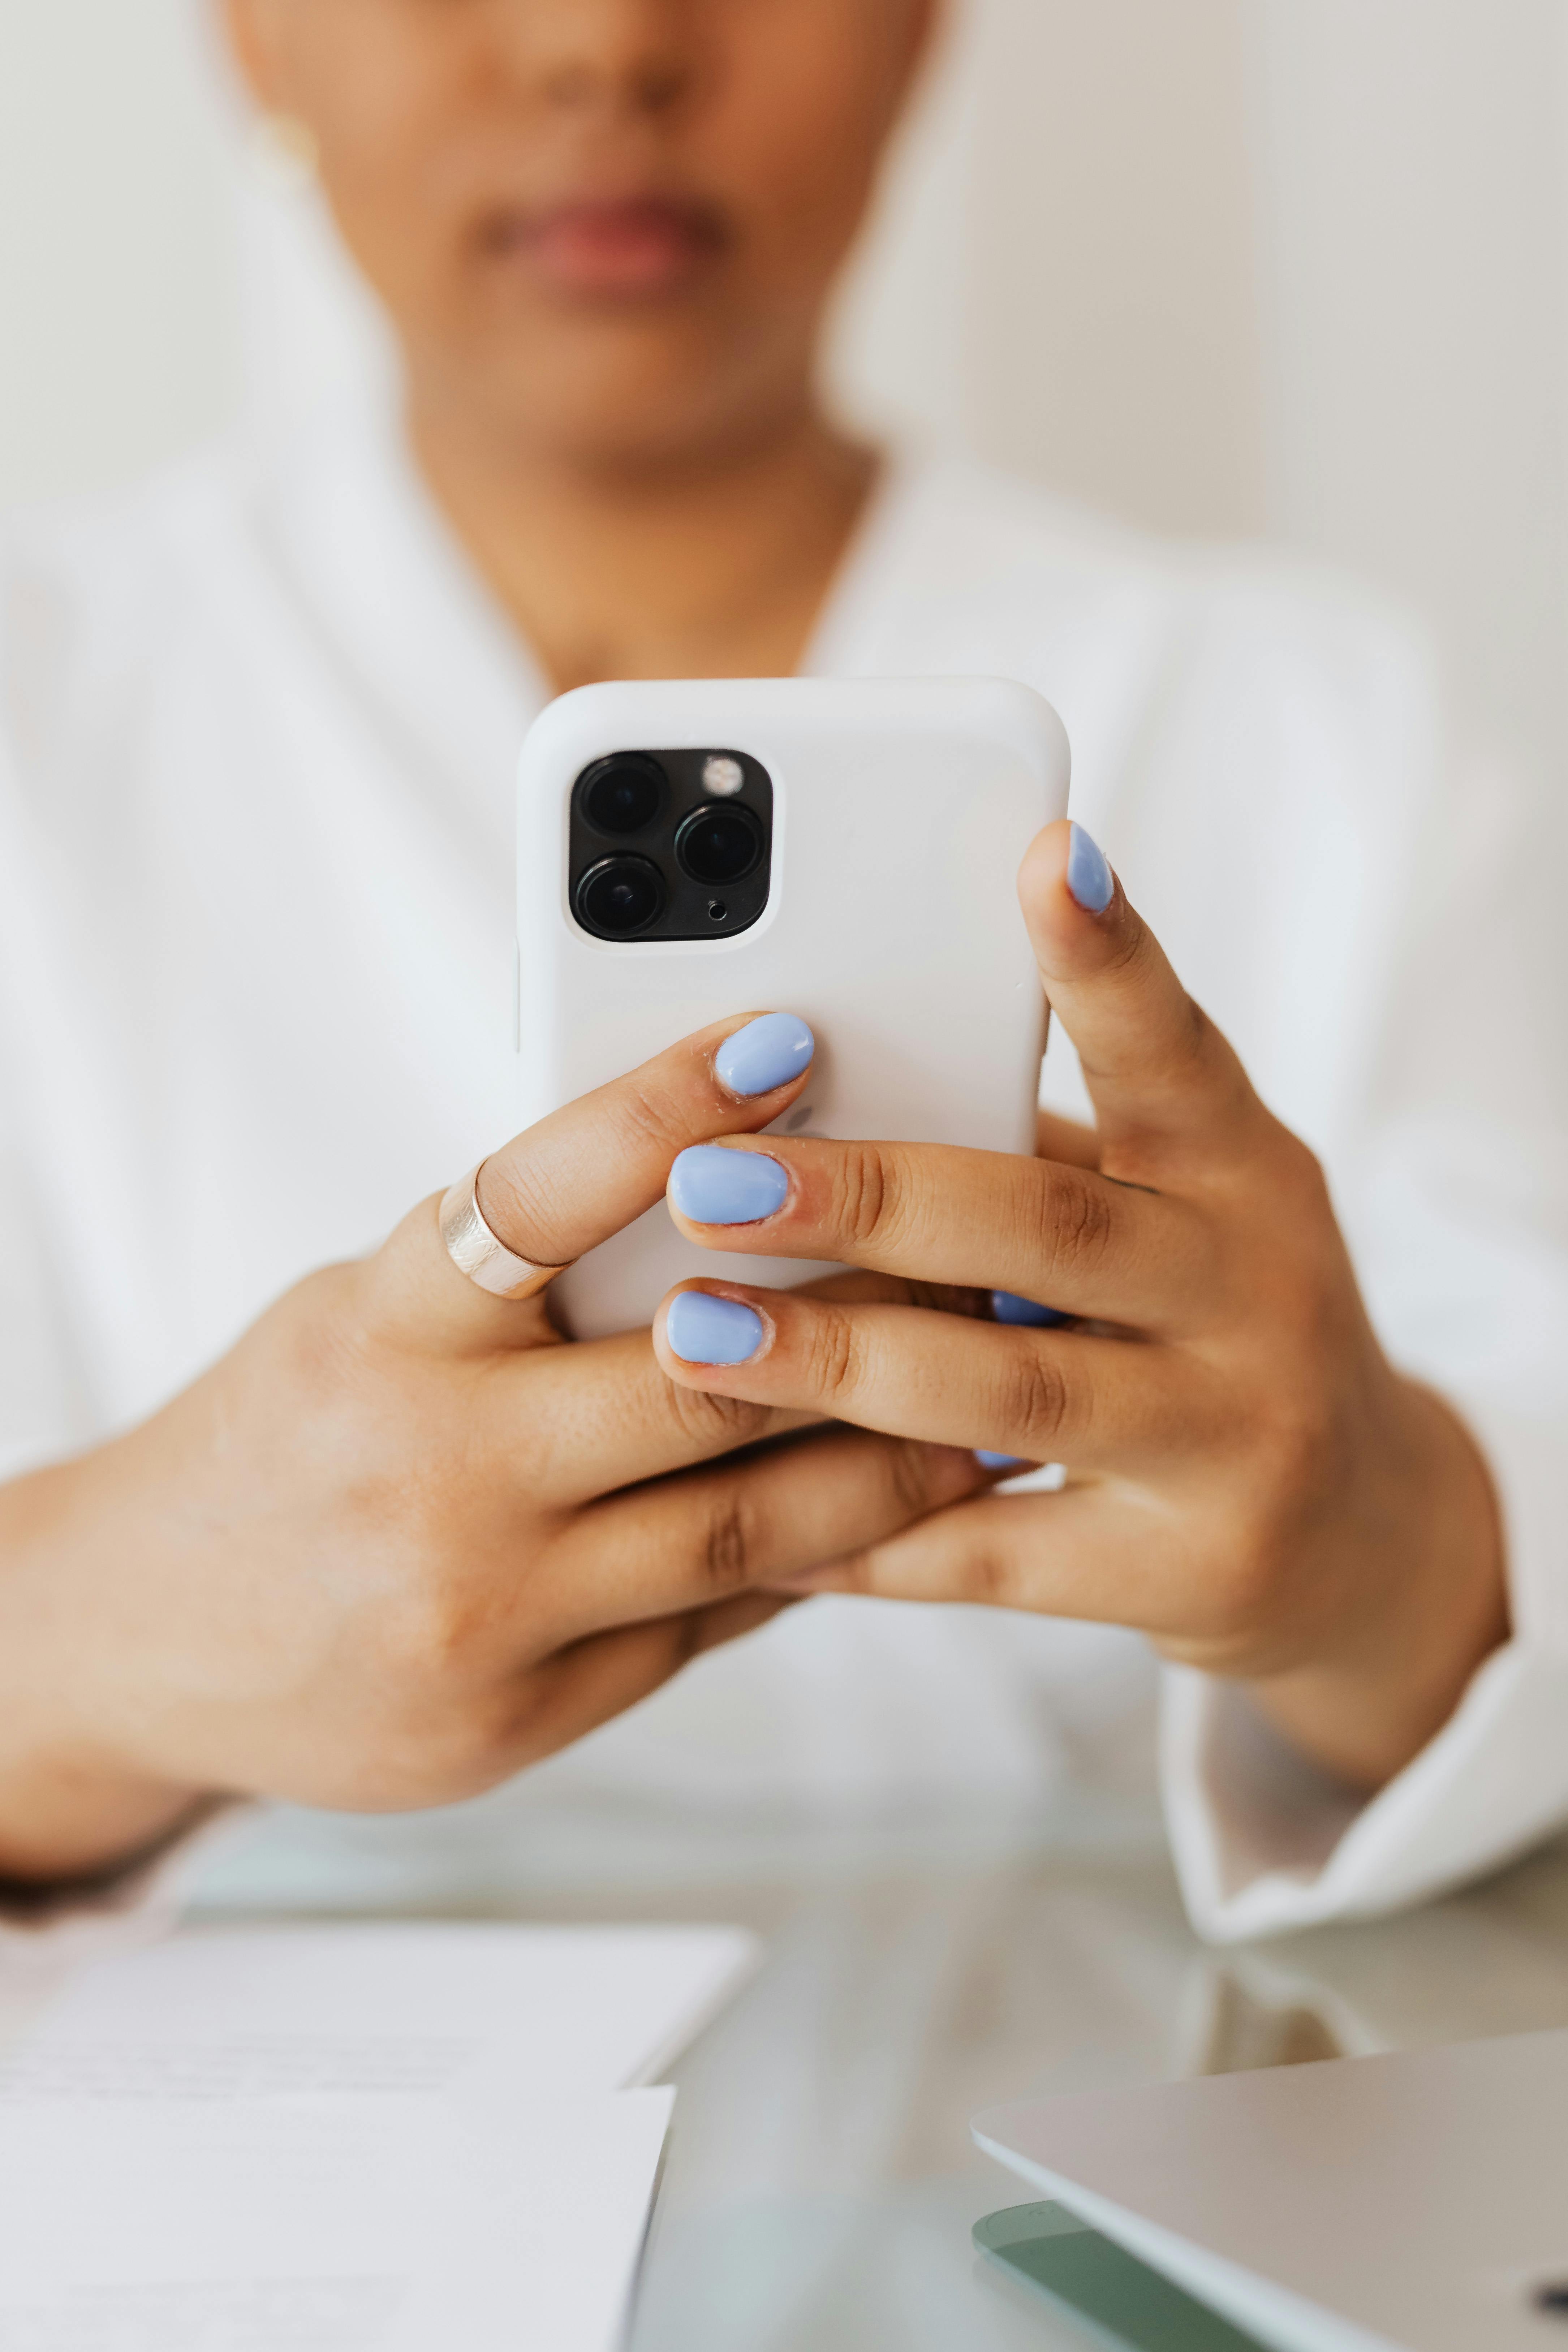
1290 269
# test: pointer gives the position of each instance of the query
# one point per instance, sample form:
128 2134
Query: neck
713 562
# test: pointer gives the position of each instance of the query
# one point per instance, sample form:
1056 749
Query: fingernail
765 1054
1001 1461
1009 1307
702 1329
714 1186
1090 878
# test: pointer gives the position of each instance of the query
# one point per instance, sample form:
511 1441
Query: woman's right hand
404 1540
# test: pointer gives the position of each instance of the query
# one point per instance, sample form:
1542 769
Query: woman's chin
620 389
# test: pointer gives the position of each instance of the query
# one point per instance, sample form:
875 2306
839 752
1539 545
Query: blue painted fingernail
765 1054
1090 878
714 1186
1009 1307
1001 1461
702 1329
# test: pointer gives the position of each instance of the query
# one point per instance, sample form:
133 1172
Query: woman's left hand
1250 1480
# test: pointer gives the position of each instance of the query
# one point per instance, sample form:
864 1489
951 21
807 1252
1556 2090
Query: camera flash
722 777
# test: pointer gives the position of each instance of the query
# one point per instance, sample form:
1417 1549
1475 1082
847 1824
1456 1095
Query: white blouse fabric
257 730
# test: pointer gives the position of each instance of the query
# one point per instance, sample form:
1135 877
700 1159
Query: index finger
1158 1071
588 1171
985 1220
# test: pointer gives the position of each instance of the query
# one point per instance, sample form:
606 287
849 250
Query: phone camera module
623 794
669 844
620 897
722 844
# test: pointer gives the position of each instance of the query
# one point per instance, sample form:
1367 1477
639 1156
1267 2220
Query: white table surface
821 2185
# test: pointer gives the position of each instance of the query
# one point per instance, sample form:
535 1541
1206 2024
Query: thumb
1156 1067
582 1174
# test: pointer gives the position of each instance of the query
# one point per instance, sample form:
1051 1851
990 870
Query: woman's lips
634 247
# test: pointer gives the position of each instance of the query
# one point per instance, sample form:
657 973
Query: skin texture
606 232
1250 1481
402 1541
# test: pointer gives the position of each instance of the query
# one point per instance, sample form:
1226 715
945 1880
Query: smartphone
842 849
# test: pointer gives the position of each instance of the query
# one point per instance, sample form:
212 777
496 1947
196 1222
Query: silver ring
475 1251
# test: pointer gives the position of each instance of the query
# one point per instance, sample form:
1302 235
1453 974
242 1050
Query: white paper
324 2223
426 2006
370 2138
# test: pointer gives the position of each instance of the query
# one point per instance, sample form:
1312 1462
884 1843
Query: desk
821 2187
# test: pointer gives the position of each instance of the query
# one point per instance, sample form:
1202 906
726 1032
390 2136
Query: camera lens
620 897
721 843
622 794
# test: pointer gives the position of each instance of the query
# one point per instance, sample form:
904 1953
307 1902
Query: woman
259 724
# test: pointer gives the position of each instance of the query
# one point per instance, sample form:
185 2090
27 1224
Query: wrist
1429 1607
71 1806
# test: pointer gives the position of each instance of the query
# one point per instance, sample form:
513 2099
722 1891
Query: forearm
1405 1645
71 1805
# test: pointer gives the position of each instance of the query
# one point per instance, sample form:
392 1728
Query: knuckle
443 1583
1080 1223
1035 1403
322 1338
1296 1446
1189 1042
1195 1038
864 1193
642 1112
431 1757
834 1363
910 1478
426 1634
521 1210
731 1542
1140 970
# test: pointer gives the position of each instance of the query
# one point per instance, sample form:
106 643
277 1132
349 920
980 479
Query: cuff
1265 1842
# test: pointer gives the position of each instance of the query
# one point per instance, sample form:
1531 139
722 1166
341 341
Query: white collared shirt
257 730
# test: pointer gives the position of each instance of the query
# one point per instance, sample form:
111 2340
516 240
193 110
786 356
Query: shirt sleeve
1456 1203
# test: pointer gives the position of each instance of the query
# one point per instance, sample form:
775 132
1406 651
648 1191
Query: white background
1289 267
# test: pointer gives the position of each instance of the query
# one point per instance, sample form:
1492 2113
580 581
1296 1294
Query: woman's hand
1250 1480
403 1541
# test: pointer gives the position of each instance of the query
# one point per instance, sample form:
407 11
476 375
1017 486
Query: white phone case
901 810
